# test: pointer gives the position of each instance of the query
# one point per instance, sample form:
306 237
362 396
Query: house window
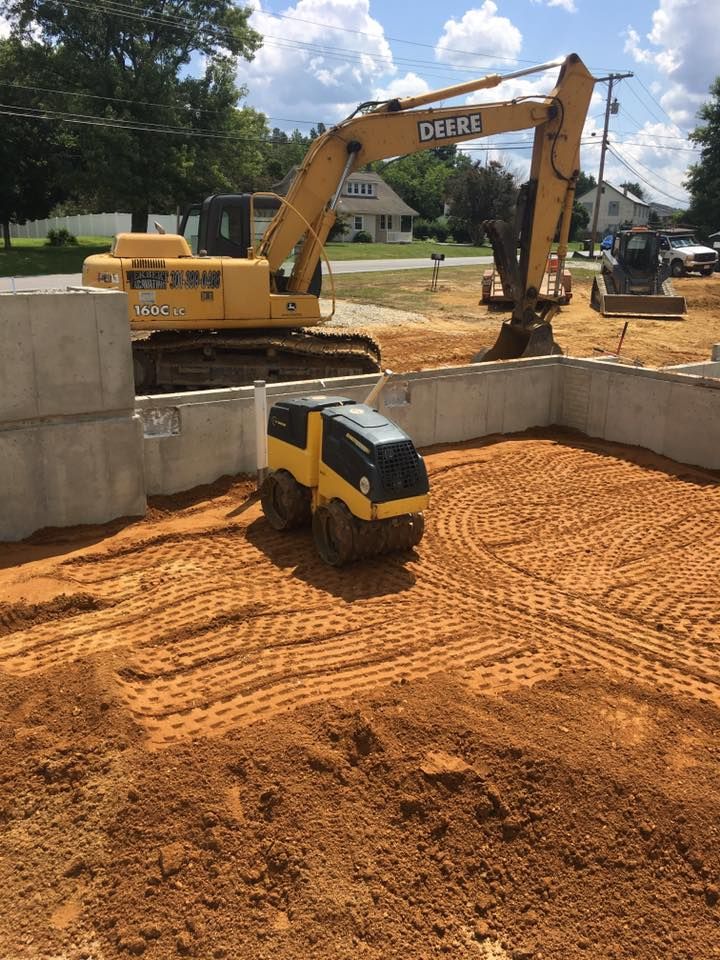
355 188
389 223
382 221
358 223
405 224
613 208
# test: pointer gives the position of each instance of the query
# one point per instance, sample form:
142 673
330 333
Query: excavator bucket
651 306
515 342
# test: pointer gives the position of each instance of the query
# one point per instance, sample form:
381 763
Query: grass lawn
29 258
410 290
401 251
416 249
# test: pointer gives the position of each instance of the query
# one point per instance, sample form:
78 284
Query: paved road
62 280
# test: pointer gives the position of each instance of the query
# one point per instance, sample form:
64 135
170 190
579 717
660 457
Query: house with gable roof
370 204
617 206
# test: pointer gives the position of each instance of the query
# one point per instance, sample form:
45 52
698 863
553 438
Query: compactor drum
348 470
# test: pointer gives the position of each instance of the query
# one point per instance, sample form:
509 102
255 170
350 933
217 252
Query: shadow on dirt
376 577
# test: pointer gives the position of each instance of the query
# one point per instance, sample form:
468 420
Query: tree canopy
585 183
703 179
420 178
632 186
151 96
35 156
477 193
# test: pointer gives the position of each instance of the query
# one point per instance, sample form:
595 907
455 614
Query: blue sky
322 57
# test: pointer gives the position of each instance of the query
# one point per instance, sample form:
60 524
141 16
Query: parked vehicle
682 254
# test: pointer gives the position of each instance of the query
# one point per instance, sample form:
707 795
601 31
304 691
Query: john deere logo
463 126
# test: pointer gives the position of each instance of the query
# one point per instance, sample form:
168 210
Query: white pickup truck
682 253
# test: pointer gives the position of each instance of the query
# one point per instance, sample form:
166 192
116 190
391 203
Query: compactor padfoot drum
348 470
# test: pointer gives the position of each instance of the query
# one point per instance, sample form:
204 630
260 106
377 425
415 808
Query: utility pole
598 193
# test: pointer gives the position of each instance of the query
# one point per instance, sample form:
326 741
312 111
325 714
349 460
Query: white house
617 206
369 204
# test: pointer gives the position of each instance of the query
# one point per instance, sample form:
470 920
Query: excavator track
199 359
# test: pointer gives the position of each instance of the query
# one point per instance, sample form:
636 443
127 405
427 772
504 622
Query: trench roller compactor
348 470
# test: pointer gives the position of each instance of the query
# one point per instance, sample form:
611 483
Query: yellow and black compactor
348 470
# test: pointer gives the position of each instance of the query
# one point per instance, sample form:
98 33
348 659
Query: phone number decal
195 279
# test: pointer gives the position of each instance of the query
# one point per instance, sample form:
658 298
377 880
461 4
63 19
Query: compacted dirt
503 745
454 327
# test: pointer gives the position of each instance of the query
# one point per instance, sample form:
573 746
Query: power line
650 95
116 8
659 146
652 172
635 173
40 113
146 103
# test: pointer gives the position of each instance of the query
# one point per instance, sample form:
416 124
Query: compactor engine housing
350 470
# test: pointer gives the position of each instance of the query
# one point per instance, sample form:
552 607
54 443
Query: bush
421 229
60 238
362 236
439 231
460 232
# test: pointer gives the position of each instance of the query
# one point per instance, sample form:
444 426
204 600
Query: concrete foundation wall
76 445
193 438
70 440
674 414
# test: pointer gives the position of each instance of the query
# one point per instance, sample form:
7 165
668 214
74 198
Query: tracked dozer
633 282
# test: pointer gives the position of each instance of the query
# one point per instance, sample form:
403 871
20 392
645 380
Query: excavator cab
228 224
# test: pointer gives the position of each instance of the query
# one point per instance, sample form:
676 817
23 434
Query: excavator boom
229 314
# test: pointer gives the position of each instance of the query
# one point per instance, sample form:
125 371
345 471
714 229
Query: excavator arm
399 127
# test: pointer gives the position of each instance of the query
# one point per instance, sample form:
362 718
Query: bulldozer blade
648 306
514 342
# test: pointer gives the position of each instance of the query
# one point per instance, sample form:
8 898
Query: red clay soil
459 327
503 745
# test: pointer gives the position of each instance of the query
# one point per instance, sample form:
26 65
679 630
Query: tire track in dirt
538 556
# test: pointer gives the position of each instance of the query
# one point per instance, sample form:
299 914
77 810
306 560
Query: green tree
653 219
632 186
36 156
477 193
420 178
585 183
152 124
580 219
703 179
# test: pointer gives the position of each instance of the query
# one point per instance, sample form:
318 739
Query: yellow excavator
229 314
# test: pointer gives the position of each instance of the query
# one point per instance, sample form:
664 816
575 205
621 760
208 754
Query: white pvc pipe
261 456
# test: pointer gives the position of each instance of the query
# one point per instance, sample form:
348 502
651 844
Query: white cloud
410 85
684 45
4 28
479 31
568 5
304 70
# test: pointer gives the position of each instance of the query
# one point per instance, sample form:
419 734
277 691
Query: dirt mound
504 744
20 616
423 822
459 326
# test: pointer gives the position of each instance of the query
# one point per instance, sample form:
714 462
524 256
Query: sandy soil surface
503 745
457 327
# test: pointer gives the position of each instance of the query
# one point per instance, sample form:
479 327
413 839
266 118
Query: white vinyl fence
90 225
